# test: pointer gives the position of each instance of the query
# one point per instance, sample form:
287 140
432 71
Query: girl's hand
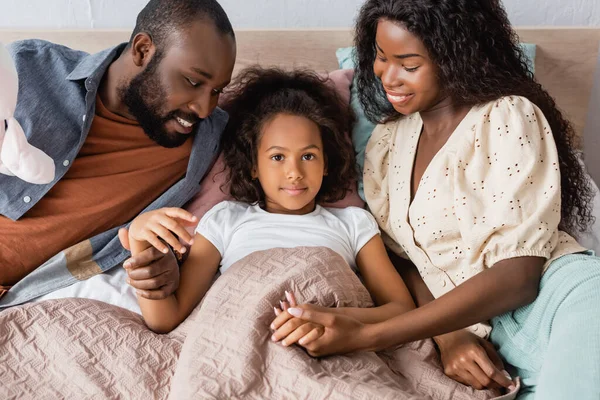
472 361
163 224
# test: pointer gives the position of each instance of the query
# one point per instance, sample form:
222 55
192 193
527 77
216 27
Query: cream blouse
491 193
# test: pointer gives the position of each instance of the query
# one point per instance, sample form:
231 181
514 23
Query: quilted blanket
83 349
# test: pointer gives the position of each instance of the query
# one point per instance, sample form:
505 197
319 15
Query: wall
106 14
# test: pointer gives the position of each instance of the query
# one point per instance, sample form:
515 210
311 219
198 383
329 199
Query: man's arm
153 274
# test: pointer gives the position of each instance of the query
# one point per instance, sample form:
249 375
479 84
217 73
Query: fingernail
128 281
296 312
165 251
284 343
127 264
281 304
301 341
512 387
183 249
506 374
288 296
272 326
275 310
273 338
191 242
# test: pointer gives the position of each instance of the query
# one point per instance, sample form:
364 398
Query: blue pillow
361 132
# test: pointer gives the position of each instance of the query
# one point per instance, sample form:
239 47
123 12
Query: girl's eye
411 69
191 82
308 157
277 157
216 92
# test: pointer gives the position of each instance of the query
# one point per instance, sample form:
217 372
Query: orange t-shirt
117 173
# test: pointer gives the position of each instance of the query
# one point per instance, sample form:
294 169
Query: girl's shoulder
352 215
225 209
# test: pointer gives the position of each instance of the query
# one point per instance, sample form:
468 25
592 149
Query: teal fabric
363 128
553 344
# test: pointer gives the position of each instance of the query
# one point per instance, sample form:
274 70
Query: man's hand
153 274
472 361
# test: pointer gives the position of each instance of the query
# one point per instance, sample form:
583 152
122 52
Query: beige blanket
77 348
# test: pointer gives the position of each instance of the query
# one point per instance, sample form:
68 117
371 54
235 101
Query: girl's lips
294 192
398 99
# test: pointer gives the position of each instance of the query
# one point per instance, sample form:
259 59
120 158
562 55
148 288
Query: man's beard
145 98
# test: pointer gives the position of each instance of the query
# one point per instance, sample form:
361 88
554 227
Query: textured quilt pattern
83 349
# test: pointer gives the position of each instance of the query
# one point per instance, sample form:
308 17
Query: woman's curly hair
255 97
479 60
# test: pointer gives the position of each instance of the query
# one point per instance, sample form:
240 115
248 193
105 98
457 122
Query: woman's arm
383 282
196 275
466 358
508 285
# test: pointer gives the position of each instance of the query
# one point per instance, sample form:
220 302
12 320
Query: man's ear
142 49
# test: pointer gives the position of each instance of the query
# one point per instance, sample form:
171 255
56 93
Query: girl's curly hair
255 97
479 60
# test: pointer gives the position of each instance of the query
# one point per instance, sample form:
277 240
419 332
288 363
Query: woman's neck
443 117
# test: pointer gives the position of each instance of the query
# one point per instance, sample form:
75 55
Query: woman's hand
472 361
163 224
341 334
289 329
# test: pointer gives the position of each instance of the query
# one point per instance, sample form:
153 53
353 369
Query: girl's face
290 164
407 73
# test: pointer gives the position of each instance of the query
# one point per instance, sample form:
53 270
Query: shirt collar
94 65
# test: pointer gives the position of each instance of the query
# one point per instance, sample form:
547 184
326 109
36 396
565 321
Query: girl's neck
275 208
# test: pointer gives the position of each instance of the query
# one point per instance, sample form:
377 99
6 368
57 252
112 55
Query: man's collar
93 65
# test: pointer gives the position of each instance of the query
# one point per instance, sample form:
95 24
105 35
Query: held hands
328 332
289 329
163 224
472 361
154 272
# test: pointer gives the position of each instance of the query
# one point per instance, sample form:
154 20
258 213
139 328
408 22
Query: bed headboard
565 61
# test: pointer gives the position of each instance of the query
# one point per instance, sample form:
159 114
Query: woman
473 176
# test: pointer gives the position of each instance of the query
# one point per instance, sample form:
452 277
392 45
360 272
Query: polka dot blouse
491 193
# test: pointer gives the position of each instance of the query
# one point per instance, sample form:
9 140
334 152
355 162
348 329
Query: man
132 128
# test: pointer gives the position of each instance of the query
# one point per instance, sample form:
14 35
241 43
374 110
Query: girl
473 176
287 150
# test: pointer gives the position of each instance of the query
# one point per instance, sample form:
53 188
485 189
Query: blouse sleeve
507 185
375 180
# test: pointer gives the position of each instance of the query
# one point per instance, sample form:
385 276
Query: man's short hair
160 18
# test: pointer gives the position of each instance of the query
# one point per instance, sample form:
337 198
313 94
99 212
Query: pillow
210 193
363 128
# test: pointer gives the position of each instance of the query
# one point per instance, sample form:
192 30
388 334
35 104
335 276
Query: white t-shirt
239 229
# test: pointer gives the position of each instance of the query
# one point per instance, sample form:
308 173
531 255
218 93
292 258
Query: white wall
82 14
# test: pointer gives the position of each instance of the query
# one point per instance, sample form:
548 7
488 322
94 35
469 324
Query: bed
85 348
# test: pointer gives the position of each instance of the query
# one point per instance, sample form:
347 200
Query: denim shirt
56 106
